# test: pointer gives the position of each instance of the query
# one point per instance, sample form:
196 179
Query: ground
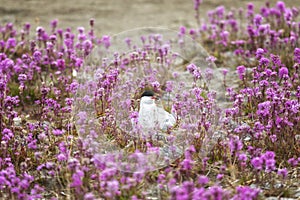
112 16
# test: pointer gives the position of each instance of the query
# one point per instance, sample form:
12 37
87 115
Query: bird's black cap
147 93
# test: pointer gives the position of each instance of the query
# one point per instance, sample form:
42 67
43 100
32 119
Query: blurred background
114 16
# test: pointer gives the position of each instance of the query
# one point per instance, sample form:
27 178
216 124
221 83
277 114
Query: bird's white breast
151 116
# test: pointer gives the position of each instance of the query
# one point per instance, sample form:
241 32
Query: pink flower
283 71
282 172
257 163
241 70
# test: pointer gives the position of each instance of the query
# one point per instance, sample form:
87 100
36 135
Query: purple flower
186 164
193 33
208 74
169 86
107 174
270 165
297 55
73 87
224 72
203 180
106 41
251 31
215 192
188 186
27 27
264 11
182 30
257 19
293 162
250 6
155 85
242 157
179 193
128 42
175 75
264 109
257 163
58 132
264 29
80 30
273 138
54 24
134 115
292 105
283 71
281 6
49 165
269 155
22 77
259 53
11 42
7 134
211 59
220 11
263 83
113 187
89 196
197 4
77 179
235 144
241 70
246 192
264 62
37 55
197 74
61 157
220 176
32 144
161 178
282 172
191 67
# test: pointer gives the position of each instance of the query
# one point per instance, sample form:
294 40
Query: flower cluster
59 111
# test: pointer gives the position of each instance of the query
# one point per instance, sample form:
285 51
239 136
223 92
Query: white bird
153 116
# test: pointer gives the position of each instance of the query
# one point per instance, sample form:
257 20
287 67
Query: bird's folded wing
166 120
